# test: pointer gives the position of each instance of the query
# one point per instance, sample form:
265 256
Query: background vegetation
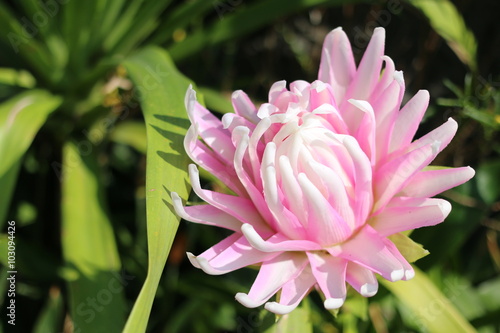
91 127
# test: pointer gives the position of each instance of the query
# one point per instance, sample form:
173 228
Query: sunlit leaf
162 89
96 299
432 311
447 21
297 321
20 119
411 250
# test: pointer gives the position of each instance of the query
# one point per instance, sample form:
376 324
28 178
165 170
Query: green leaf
432 311
297 321
234 22
488 182
411 250
88 243
131 133
447 21
50 318
162 89
20 119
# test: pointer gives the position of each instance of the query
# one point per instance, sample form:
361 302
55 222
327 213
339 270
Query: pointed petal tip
246 301
279 309
254 238
192 260
177 204
205 266
369 289
333 303
189 98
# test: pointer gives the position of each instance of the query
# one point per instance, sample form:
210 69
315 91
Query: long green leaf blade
162 89
20 119
433 312
241 21
96 296
447 21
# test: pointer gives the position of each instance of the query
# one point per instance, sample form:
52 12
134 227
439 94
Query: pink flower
322 174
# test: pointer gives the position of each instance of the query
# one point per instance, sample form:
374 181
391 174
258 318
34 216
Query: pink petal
273 274
292 293
408 120
276 90
365 80
241 208
329 272
409 272
410 213
368 249
205 214
388 77
338 197
386 109
365 134
393 176
325 225
337 65
428 183
244 107
214 250
283 220
291 189
241 138
320 94
368 73
361 279
277 242
204 157
209 127
363 174
237 255
443 134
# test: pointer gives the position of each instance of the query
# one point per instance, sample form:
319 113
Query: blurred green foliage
91 127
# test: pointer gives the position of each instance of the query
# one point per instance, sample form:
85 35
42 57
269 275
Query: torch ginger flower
322 174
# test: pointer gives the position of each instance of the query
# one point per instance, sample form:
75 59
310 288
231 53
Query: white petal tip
409 274
471 172
397 275
445 207
319 86
399 77
333 303
253 237
246 301
279 309
369 289
227 120
192 260
205 266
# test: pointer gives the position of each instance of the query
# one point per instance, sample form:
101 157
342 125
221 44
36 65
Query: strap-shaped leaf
162 89
447 21
432 311
96 298
20 119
